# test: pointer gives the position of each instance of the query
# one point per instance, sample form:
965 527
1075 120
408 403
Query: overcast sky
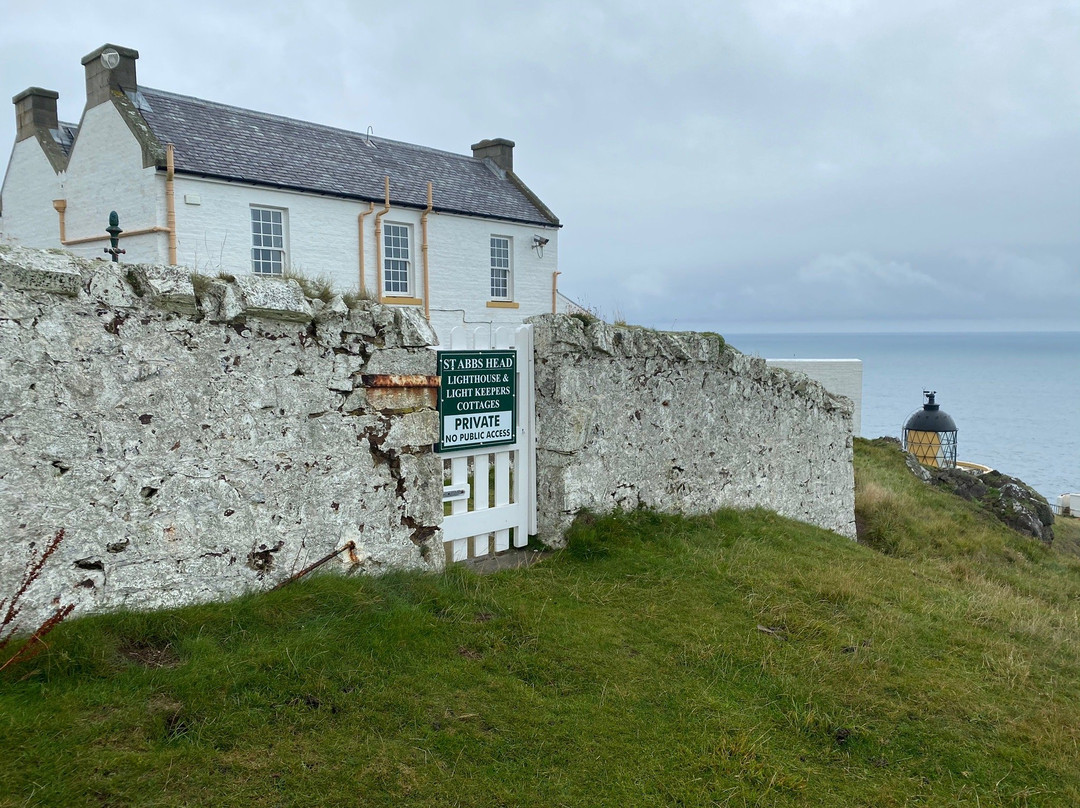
767 165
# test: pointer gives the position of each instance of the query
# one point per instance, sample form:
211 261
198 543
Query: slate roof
64 135
215 140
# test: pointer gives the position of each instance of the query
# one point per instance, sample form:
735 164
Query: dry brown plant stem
8 626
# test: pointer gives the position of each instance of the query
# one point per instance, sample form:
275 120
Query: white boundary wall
193 446
841 377
191 457
628 417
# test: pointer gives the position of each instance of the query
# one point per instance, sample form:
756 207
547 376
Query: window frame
278 251
493 267
408 280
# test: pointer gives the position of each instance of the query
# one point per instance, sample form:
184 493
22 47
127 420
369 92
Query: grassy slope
630 670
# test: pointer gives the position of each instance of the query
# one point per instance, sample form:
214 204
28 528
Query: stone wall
842 377
196 442
682 423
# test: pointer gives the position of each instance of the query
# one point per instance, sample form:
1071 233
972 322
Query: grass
314 287
355 298
200 284
735 659
319 287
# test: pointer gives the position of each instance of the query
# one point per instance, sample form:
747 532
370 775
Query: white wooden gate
500 508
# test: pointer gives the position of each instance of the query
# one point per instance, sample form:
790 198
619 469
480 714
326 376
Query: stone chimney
500 150
34 108
101 79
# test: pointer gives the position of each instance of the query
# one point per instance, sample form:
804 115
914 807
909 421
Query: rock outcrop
1012 501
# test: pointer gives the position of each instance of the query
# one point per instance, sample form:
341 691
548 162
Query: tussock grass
200 284
733 659
317 287
314 287
355 298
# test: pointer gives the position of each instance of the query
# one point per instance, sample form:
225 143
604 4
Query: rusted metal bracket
350 546
401 392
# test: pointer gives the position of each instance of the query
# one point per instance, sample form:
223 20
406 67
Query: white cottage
223 189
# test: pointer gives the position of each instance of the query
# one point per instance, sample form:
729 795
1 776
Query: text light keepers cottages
218 188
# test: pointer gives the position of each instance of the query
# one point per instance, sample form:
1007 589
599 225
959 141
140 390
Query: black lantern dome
930 434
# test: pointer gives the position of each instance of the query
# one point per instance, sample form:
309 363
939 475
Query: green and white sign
477 399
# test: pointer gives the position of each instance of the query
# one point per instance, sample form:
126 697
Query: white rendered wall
105 173
842 377
460 250
30 186
321 239
213 223
565 305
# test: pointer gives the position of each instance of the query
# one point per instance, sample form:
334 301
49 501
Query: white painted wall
105 173
30 186
322 239
565 305
843 377
461 272
214 235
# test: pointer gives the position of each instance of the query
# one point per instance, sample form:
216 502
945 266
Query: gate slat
459 475
502 496
480 499
466 525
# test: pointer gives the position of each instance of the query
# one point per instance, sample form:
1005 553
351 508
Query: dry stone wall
196 442
682 423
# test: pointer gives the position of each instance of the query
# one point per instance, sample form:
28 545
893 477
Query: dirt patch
150 656
510 559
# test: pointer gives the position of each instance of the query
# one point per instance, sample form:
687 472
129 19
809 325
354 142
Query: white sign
491 427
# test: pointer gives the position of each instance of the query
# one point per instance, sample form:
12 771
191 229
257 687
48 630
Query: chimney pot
34 108
101 80
499 150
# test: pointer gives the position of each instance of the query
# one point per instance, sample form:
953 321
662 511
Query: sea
1015 397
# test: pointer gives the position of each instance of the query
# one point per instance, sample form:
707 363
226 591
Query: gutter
552 222
60 205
